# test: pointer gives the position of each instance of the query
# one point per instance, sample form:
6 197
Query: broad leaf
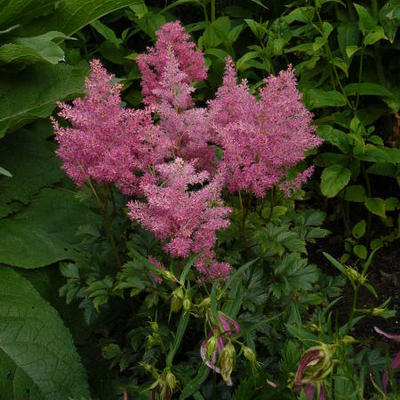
31 160
334 179
33 93
33 49
317 98
45 232
22 11
376 206
72 15
37 354
366 89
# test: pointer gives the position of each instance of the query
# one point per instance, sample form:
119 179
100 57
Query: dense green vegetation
82 316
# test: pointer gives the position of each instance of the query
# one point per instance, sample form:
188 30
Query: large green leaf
45 232
367 89
33 49
334 179
38 360
72 15
31 160
32 93
21 11
317 98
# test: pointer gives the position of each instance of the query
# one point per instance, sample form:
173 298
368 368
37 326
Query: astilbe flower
268 136
185 131
186 219
170 38
106 143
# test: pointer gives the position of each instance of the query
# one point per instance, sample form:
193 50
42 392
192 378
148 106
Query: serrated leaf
45 232
334 179
36 348
33 94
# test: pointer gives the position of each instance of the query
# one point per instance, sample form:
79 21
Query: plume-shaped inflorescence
173 164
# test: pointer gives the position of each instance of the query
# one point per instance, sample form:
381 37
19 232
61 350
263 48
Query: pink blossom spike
170 38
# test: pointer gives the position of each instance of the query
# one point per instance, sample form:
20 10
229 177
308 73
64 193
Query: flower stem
103 207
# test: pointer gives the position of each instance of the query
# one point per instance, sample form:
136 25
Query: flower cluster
173 164
107 143
261 139
186 219
171 40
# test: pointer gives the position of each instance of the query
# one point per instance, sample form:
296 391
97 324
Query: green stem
353 308
360 72
205 14
374 6
212 11
244 217
109 228
351 10
103 207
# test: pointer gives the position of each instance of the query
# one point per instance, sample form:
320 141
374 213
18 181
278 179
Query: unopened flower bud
249 354
150 342
211 346
168 275
154 326
347 340
176 300
205 303
171 381
187 304
227 361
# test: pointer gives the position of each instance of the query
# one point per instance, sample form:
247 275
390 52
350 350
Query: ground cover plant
199 200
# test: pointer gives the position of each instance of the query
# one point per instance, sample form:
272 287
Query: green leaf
335 137
374 36
37 354
389 17
360 251
348 34
317 98
183 322
359 229
106 32
366 89
20 12
334 179
366 21
31 160
351 50
45 232
355 193
376 206
392 203
33 94
33 49
194 385
72 15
